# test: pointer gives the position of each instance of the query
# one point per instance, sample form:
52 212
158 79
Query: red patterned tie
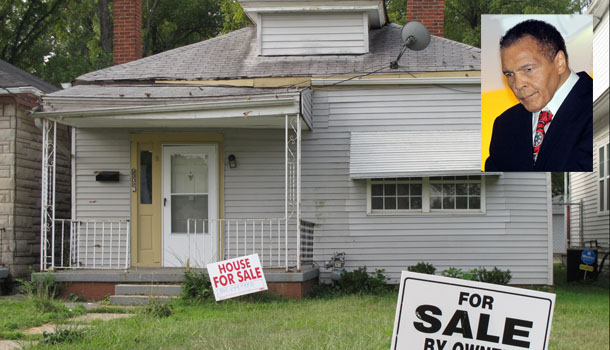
543 119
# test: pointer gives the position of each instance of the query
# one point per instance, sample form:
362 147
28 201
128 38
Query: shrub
157 308
454 272
495 276
360 281
196 286
423 267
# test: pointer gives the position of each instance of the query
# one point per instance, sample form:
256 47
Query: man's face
531 75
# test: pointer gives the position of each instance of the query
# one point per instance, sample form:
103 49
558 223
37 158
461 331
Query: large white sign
440 313
235 277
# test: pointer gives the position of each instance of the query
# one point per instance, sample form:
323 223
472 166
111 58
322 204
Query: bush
196 286
157 308
454 272
495 276
360 281
422 267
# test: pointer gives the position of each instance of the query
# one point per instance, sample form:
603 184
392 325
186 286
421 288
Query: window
603 170
426 194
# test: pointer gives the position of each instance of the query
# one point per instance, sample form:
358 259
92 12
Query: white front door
190 191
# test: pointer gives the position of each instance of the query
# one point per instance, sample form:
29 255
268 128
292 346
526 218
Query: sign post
441 313
235 277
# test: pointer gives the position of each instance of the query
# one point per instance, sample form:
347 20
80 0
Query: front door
190 204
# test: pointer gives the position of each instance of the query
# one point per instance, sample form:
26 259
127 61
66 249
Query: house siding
584 186
513 233
101 150
314 34
600 57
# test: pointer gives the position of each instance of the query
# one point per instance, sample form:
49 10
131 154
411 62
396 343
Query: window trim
426 210
605 180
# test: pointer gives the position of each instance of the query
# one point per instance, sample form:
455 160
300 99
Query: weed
196 286
76 298
158 309
46 305
43 286
68 335
422 267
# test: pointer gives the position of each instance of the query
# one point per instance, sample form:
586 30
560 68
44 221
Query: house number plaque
133 179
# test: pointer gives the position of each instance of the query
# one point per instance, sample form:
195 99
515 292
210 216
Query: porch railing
74 244
105 244
273 239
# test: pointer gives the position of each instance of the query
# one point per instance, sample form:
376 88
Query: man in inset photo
551 128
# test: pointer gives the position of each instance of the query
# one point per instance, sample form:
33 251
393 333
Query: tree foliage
24 34
463 17
173 23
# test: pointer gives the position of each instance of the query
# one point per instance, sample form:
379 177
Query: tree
233 16
463 17
397 11
174 23
24 38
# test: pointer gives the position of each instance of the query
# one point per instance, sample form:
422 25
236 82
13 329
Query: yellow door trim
158 139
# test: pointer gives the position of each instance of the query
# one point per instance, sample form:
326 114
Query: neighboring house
296 118
20 159
593 189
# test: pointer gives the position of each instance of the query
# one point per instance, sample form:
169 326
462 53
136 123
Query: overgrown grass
581 318
20 314
343 322
349 322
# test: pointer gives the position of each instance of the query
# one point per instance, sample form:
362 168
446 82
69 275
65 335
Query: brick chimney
429 12
127 41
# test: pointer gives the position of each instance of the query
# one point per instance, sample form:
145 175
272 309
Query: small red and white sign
440 313
234 277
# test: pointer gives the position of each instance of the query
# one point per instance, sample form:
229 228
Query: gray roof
234 56
13 77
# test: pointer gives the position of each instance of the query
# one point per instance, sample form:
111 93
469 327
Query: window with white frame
603 189
426 194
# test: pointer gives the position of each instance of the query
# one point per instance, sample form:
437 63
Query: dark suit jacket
567 145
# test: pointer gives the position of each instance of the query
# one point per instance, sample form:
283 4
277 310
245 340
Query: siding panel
316 34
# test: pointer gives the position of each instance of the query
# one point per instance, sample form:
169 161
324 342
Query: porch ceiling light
232 161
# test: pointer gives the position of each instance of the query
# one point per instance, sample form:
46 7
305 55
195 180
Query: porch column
292 208
47 188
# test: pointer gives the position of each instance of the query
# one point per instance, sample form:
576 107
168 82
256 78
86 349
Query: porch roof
155 105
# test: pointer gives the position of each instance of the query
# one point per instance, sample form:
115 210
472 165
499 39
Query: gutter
398 81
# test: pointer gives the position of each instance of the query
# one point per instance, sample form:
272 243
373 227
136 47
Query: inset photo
536 93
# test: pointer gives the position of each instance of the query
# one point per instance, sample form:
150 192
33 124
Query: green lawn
19 314
580 321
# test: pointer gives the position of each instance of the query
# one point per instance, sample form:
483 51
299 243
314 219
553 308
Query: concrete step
148 289
139 299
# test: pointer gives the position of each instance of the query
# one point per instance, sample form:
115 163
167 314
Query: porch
158 186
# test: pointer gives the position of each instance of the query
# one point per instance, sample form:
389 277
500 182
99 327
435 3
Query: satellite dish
414 36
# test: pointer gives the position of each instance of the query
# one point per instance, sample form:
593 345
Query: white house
293 139
589 193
